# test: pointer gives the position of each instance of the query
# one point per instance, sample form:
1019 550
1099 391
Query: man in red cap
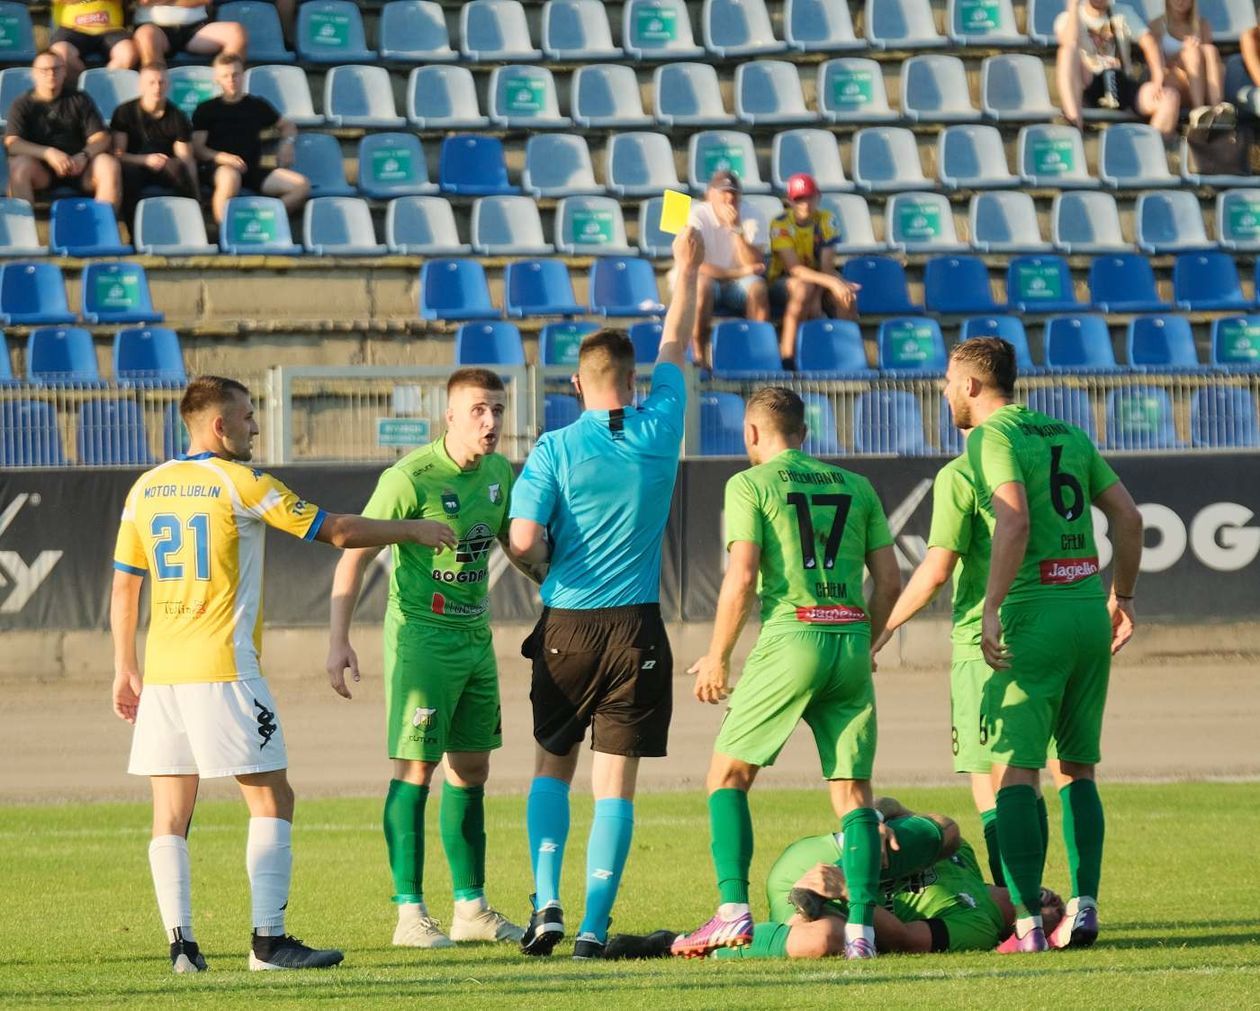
803 264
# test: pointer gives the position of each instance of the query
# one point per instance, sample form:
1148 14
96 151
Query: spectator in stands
227 140
85 28
166 29
55 136
732 277
153 141
1249 43
803 275
1096 64
1194 64
287 9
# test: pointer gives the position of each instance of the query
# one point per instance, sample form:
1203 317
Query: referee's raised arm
681 317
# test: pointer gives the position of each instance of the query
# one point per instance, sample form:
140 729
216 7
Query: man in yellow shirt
84 28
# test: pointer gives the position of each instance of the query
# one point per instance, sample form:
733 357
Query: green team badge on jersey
450 503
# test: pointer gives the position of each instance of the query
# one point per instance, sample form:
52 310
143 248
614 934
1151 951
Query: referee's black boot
546 927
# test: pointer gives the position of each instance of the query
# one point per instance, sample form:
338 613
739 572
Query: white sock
857 932
411 911
269 861
1026 923
172 881
471 907
733 910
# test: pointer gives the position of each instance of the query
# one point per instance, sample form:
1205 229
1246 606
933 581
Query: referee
593 500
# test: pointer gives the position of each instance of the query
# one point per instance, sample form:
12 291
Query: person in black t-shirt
153 140
54 136
227 139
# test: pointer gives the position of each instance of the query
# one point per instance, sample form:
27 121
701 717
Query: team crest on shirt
422 719
450 503
495 493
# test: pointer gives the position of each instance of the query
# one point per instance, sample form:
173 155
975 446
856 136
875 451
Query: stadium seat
109 88
911 345
80 226
1009 328
256 225
148 356
658 30
652 241
174 433
423 226
1140 418
1223 417
111 433
4 170
393 165
17 35
1086 222
623 286
640 165
830 348
1041 15
688 94
523 97
1005 223
822 438
1013 89
646 338
1238 220
1131 156
888 422
745 349
6 367
360 96
29 434
474 166
1160 342
884 290
819 26
606 95
558 343
116 293
1124 282
1208 282
738 29
262 28
972 157
287 89
507 226
170 226
190 86
765 207
414 31
591 226
886 158
331 31
921 223
61 356
712 150
1067 403
901 24
1077 343
455 289
983 23
934 90
318 157
721 424
14 82
809 150
443 98
495 31
18 234
1041 284
1236 342
1169 223
578 31
494 343
851 214
957 285
33 293
560 410
558 165
1053 156
339 226
1228 18
851 90
768 92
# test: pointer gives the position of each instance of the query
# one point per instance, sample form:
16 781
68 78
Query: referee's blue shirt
602 488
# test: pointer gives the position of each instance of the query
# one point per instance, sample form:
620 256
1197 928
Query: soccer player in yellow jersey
202 708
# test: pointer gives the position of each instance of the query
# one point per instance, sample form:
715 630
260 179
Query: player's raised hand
996 653
126 692
433 534
826 880
1123 621
712 676
342 657
688 249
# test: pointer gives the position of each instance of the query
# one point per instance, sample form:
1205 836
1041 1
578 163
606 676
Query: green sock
1019 838
463 821
1043 822
731 827
769 941
404 838
861 861
918 846
988 819
1083 829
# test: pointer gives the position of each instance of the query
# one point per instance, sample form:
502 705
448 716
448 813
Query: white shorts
222 728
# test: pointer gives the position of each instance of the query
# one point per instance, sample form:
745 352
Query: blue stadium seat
18 234
688 94
851 90
950 439
646 338
1005 223
623 286
1131 156
889 422
414 31
1077 343
1086 222
1124 282
711 150
148 356
641 165
1236 342
539 288
474 166
591 226
360 96
884 291
318 157
721 424
111 433
174 433
287 89
443 98
1208 281
1161 342
1169 223
6 366
1041 15
658 30
851 214
455 289
80 226
815 152
911 345
606 95
814 26
262 28
109 87
61 356
558 343
339 226
522 97
1238 220
1009 328
577 30
1041 284
559 410
745 349
17 35
831 347
957 285
493 31
921 223
738 29
116 293
1067 403
822 438
558 165
495 343
257 225
1141 417
934 90
393 165
171 226
29 434
508 226
14 82
1223 417
1229 18
972 157
769 92
1013 89
423 226
902 24
33 293
331 31
1053 156
886 159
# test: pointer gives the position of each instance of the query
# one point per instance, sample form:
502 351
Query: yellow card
675 209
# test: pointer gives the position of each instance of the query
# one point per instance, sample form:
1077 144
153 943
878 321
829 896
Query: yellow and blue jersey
197 525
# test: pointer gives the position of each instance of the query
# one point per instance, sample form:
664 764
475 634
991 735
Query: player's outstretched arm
886 577
681 318
347 585
924 583
124 619
1010 541
527 542
348 530
739 589
1125 524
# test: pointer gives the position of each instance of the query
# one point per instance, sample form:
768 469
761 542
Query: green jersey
1062 473
948 885
815 525
958 526
445 587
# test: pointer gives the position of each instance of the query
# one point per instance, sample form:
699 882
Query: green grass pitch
1179 904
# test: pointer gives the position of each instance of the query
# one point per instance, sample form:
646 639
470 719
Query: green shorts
975 927
823 678
1049 702
968 675
441 690
794 863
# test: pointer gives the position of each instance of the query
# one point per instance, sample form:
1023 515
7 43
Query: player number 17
805 525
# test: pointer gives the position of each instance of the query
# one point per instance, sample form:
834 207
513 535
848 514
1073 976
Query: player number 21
805 524
168 534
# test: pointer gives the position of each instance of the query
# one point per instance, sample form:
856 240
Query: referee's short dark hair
778 408
206 392
991 360
606 357
482 379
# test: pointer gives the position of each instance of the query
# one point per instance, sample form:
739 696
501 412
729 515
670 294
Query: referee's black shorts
607 668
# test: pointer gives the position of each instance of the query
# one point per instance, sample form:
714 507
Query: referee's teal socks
547 821
606 854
